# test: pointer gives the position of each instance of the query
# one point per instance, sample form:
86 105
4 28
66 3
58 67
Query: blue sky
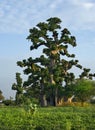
17 17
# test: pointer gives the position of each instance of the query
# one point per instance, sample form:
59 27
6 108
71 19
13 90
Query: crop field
51 118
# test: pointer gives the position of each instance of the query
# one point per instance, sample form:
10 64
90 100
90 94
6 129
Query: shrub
30 108
8 102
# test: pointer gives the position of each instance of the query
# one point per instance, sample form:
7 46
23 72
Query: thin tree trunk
43 100
56 96
52 97
51 100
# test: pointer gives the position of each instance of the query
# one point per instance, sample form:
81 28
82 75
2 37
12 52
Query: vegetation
84 90
60 118
1 96
19 89
50 83
49 75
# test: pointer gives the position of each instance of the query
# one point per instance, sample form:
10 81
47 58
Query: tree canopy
49 73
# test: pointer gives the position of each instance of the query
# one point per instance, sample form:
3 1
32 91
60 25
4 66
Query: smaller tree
18 86
84 89
1 96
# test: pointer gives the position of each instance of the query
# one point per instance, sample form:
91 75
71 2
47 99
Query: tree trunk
51 100
43 100
56 96
52 82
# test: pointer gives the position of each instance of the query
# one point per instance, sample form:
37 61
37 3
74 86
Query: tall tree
18 86
48 71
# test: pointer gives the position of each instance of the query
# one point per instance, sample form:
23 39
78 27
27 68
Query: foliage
1 96
30 108
8 102
84 89
18 86
47 72
52 118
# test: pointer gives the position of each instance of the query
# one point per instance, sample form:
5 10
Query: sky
17 17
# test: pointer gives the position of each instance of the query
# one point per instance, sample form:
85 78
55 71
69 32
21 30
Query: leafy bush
8 102
30 108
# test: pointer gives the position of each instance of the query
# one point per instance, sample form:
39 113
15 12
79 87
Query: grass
51 118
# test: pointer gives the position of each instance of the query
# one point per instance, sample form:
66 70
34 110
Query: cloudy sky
17 17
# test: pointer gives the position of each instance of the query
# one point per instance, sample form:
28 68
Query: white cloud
79 14
88 5
55 4
84 4
19 16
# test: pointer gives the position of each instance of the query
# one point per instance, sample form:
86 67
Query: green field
52 118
